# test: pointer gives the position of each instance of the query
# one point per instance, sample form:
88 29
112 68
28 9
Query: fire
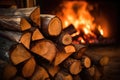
77 14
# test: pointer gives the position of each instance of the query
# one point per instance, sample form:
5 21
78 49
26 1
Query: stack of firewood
34 46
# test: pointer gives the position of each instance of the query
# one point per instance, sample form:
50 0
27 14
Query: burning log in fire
76 13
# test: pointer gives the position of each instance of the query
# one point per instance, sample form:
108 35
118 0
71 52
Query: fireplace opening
96 22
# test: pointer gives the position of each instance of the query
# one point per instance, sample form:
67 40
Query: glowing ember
77 14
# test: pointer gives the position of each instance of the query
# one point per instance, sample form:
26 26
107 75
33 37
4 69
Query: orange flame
76 13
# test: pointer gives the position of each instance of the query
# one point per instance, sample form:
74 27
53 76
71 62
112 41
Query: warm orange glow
100 30
81 40
77 14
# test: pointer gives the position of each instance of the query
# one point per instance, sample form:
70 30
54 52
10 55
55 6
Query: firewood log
86 61
19 37
52 70
5 47
80 50
64 38
60 57
44 48
16 23
32 13
37 35
62 75
9 72
40 74
98 59
69 49
74 66
29 67
70 29
51 25
19 54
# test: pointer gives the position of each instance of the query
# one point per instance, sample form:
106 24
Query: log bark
74 66
62 75
29 67
40 74
44 48
5 48
19 54
70 29
98 59
50 25
32 13
19 37
16 23
80 50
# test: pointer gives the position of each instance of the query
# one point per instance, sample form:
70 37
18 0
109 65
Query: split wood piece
33 13
9 72
19 54
5 47
80 50
98 59
69 49
51 69
29 67
62 75
86 61
37 35
44 48
60 57
64 38
40 74
51 25
19 37
70 29
16 23
74 66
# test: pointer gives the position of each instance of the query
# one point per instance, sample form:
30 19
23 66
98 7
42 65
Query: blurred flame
76 13
100 30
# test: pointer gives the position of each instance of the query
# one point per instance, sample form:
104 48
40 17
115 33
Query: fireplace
100 19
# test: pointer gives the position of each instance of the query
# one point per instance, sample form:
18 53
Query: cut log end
25 25
76 67
104 60
35 16
67 39
37 35
86 61
54 27
29 67
69 49
45 48
25 40
19 54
